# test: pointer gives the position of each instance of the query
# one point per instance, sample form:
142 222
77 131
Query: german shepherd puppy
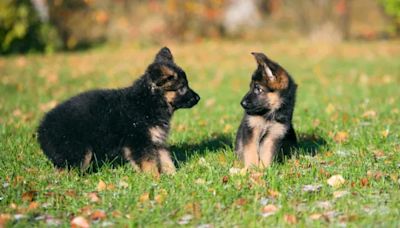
266 127
131 123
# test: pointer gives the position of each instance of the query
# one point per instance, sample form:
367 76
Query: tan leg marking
158 135
167 165
250 150
86 161
127 153
150 166
268 146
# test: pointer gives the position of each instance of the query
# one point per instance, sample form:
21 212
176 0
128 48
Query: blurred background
47 26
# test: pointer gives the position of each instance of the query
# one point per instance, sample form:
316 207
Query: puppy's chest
159 133
266 129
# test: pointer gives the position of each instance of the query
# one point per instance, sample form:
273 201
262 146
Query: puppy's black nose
244 104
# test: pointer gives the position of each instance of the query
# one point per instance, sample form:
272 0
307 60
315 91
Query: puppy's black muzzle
189 100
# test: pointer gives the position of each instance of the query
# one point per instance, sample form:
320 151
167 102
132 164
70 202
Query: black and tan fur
266 127
131 123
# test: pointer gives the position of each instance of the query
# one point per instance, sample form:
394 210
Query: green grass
347 117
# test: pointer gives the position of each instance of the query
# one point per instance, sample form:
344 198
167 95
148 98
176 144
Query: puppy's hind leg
166 164
128 155
86 161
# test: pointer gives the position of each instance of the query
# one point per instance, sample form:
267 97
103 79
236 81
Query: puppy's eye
170 78
182 90
257 89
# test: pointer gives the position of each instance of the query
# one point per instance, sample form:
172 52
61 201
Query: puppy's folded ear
164 55
276 76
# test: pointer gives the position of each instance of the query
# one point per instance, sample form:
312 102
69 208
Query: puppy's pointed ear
164 55
276 76
266 65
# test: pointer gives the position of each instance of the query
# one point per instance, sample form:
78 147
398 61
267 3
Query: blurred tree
21 29
194 18
80 23
392 8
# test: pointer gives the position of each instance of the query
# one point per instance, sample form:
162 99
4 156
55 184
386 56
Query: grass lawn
347 117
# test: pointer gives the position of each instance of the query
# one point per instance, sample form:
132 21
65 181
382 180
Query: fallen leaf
379 154
161 196
269 210
312 188
29 195
116 214
369 114
79 222
385 133
364 182
225 179
33 205
341 137
290 219
144 197
98 215
93 197
336 181
70 193
324 204
273 193
4 218
240 201
101 186
257 178
338 194
315 216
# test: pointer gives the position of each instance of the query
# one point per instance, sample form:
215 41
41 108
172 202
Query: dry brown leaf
240 201
379 154
116 214
336 181
70 193
268 210
101 186
29 195
33 205
93 197
98 215
364 182
273 193
290 219
4 218
144 197
161 196
369 114
341 137
385 133
338 194
225 179
256 178
315 216
79 222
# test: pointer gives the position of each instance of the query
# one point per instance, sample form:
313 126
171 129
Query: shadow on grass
184 151
309 144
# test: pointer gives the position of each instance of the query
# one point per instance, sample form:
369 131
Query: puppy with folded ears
266 128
